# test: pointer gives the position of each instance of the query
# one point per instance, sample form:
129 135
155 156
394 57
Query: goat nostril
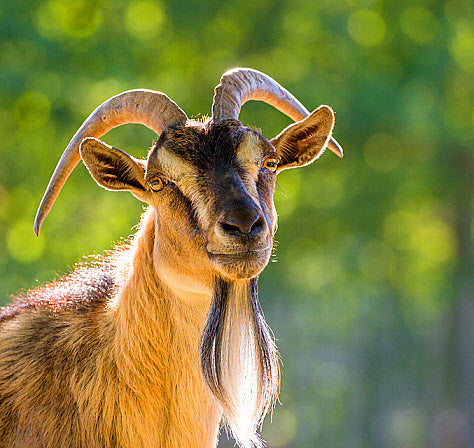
238 227
241 218
257 226
230 228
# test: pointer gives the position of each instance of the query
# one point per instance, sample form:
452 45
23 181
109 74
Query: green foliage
364 299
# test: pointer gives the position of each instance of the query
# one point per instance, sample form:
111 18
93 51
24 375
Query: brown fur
111 373
109 356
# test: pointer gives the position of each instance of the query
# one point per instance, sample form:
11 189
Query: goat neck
157 348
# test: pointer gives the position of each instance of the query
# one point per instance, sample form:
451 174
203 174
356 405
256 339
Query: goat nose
241 220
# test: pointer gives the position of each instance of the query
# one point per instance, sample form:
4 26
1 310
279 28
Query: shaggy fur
151 346
89 371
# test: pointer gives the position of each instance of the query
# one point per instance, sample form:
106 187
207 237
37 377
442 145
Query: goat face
210 183
220 174
212 186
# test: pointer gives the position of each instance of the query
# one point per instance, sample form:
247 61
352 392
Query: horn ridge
150 108
239 85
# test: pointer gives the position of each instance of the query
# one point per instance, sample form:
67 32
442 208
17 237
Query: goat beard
239 358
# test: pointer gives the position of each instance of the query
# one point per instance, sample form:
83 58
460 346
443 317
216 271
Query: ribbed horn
153 109
239 85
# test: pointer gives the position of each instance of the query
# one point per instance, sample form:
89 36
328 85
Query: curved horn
153 109
240 85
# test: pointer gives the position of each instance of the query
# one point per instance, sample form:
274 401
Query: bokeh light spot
143 19
431 241
419 24
22 243
281 430
320 269
406 428
462 48
72 18
99 92
366 27
32 110
223 32
436 243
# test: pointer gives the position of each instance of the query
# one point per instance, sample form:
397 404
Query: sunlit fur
116 369
109 356
152 345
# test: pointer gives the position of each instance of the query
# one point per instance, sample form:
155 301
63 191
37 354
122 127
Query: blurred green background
372 298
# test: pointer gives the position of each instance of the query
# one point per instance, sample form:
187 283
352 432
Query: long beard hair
239 358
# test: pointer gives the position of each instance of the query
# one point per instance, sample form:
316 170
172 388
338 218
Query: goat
155 343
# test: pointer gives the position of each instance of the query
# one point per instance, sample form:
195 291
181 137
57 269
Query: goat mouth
239 253
240 264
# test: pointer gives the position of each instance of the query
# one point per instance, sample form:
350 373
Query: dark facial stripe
265 189
180 201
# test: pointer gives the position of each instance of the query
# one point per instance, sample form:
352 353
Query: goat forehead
207 148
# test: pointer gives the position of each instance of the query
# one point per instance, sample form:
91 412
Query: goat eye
157 184
271 164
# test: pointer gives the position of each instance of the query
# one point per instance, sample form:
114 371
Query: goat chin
240 266
239 358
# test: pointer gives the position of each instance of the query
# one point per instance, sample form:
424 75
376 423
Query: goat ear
112 168
302 142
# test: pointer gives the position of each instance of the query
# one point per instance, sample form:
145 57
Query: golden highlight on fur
156 344
122 371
